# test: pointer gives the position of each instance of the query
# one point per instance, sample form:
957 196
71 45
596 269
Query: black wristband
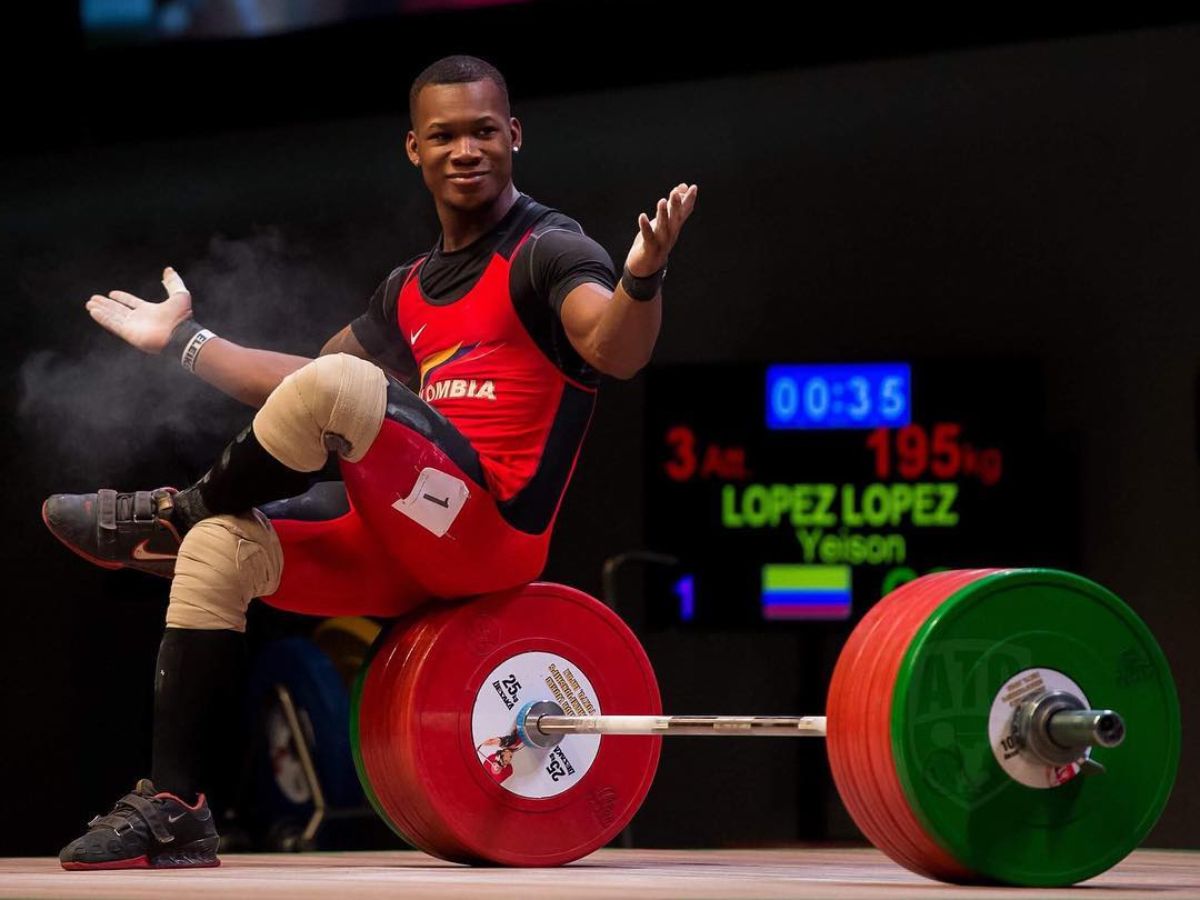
642 289
185 342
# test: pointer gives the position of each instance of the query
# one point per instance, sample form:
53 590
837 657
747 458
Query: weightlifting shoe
117 531
147 829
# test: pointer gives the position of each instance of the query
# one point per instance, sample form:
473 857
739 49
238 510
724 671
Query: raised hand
657 236
144 324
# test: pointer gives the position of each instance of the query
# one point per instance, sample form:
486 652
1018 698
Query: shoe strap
141 507
106 509
134 803
144 507
152 814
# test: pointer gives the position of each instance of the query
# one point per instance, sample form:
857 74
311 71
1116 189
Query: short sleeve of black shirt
378 329
556 259
562 258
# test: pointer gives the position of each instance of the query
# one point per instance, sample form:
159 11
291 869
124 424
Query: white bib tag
435 501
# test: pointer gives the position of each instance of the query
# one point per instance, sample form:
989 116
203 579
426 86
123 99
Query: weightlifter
456 404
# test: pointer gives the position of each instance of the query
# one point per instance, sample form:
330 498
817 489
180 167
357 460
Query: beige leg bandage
335 402
224 562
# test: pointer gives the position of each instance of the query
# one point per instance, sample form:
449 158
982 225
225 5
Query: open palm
656 237
144 324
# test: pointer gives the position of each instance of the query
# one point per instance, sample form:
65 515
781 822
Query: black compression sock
245 476
198 689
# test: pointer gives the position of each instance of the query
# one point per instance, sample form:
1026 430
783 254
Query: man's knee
224 562
335 402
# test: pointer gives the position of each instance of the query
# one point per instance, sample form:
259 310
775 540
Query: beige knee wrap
224 562
335 402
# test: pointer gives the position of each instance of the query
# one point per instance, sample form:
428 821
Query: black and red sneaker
147 829
116 530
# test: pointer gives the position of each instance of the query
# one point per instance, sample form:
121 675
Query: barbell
989 725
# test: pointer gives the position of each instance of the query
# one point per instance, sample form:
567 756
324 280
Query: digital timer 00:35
860 395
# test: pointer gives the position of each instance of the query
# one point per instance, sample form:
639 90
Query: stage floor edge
624 874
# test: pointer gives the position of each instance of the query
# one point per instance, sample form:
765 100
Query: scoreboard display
805 492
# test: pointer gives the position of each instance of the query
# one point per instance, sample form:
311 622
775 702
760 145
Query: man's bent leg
224 562
333 403
165 822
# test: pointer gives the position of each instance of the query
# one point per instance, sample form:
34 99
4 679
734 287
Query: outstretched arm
250 375
615 331
244 373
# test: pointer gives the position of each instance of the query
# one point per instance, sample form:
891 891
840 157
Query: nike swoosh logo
413 335
173 819
141 553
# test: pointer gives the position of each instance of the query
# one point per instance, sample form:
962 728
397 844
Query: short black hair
455 70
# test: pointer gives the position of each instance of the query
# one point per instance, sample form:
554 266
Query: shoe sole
102 563
143 862
200 854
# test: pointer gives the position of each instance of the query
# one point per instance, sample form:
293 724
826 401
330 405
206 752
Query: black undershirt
556 259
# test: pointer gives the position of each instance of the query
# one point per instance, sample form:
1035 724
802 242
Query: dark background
869 190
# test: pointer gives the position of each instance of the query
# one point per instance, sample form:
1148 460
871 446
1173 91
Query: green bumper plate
982 644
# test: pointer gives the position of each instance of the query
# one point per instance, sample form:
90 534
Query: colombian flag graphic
441 358
805 592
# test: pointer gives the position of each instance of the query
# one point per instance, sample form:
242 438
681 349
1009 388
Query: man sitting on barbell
450 490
